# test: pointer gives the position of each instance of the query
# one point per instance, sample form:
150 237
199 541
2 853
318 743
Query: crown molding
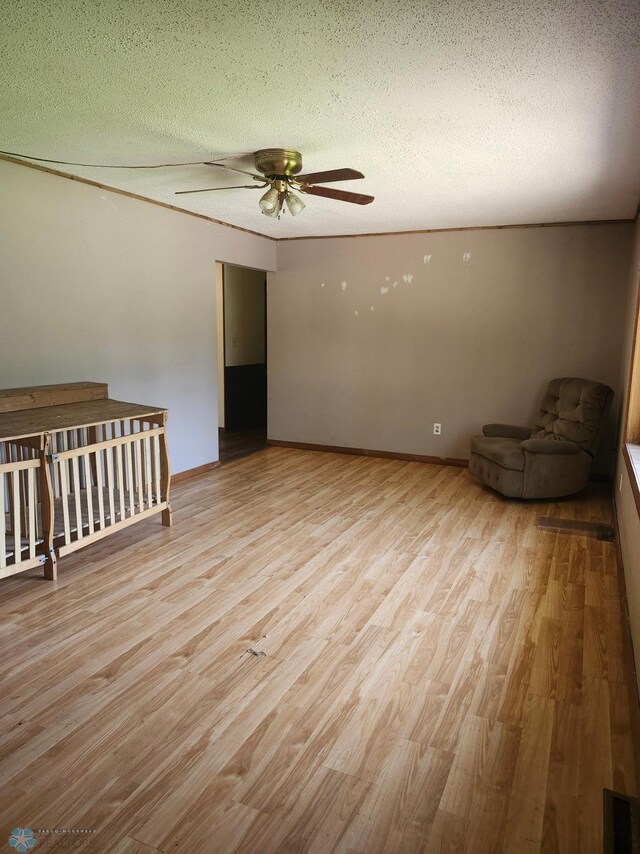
464 228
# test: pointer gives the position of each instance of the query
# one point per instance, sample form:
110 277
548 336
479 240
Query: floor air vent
621 824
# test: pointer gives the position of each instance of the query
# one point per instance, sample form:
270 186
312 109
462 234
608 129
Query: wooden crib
75 466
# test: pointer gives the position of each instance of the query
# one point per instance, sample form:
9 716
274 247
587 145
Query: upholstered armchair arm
506 431
549 446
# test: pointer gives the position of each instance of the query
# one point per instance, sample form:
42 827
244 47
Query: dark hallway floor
241 443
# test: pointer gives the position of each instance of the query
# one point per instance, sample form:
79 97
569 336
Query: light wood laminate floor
439 674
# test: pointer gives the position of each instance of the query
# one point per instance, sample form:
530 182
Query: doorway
241 297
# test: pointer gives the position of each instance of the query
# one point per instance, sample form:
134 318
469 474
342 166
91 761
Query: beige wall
244 316
97 286
373 339
628 518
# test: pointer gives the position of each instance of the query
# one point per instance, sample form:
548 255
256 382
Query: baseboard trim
366 452
189 474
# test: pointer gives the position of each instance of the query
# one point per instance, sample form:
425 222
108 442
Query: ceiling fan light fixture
269 203
275 213
294 203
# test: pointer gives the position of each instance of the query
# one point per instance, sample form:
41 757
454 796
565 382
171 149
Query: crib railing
105 477
21 531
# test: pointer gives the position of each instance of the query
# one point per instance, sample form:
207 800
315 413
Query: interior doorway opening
241 302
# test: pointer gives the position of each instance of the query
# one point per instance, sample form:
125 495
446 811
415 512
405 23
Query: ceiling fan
279 168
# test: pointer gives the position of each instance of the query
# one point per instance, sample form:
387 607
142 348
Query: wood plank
35 397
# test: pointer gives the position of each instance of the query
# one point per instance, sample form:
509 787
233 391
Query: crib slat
156 466
31 507
3 541
81 462
17 532
99 486
64 498
86 467
118 452
47 507
38 501
64 446
130 483
23 455
10 501
148 479
86 464
65 483
152 455
92 438
55 475
138 455
110 484
76 495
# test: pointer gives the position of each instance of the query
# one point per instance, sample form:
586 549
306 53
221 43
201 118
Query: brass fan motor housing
278 161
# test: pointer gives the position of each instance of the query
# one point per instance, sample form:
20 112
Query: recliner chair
554 458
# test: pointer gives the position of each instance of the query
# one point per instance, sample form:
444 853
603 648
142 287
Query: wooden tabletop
36 396
46 419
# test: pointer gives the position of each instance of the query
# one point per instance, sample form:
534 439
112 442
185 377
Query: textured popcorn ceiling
458 113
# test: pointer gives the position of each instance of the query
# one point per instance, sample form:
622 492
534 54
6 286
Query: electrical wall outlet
437 428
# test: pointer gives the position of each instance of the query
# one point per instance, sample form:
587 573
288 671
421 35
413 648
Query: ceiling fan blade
213 189
233 169
329 175
340 195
